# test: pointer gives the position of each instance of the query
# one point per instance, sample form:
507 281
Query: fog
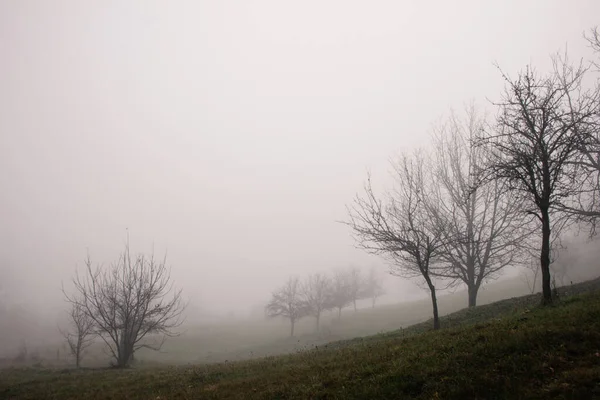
230 135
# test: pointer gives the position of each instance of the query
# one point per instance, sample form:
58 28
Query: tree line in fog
320 292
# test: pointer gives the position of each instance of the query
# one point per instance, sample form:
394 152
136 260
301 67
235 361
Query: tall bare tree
399 226
80 333
316 293
287 302
483 225
132 303
541 126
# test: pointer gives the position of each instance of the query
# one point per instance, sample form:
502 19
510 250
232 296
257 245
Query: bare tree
483 225
287 302
132 303
341 295
373 287
316 293
81 331
531 273
585 206
356 283
535 149
399 227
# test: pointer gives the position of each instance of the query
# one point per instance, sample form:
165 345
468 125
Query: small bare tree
400 227
542 125
530 274
287 302
316 293
132 303
81 331
355 285
373 287
341 295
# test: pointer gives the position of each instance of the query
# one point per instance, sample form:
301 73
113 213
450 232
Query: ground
508 349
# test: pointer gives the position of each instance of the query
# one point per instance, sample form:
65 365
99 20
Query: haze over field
231 134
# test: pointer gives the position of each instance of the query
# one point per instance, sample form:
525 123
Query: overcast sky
231 133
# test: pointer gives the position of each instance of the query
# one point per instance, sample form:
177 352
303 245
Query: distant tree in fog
356 285
316 293
287 302
373 287
132 303
81 331
341 293
586 205
530 274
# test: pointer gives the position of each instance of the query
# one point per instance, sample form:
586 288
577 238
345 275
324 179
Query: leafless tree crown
133 303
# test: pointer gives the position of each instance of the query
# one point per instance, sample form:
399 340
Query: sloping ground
509 349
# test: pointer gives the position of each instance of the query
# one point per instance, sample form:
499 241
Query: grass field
234 339
508 349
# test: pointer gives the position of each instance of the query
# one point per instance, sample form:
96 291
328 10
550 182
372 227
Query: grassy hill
507 349
253 338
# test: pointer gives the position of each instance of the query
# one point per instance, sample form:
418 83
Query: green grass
508 349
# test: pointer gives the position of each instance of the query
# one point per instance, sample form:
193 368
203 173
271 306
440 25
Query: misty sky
231 133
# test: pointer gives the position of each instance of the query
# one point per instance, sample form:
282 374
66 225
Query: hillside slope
509 349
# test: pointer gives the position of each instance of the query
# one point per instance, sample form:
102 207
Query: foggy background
231 134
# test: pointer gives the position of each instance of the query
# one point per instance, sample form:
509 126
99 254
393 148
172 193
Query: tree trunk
473 289
436 317
545 258
125 354
374 300
123 359
339 312
77 353
354 305
292 322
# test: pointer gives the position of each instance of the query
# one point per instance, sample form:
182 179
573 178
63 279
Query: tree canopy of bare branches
399 226
484 229
542 124
132 304
287 302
